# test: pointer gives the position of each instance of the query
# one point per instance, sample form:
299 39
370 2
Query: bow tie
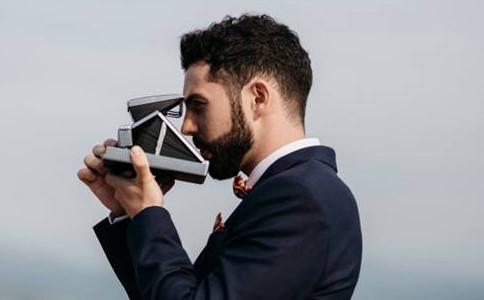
241 188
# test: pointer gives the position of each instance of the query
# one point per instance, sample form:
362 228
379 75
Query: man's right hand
94 177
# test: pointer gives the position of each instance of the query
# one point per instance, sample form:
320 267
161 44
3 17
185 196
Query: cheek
215 124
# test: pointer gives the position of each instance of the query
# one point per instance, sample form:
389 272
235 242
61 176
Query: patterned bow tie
241 188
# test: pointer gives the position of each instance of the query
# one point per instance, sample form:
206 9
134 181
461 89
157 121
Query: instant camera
169 154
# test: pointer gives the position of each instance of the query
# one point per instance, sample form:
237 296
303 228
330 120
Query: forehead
197 81
195 78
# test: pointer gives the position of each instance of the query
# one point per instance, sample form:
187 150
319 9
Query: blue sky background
398 93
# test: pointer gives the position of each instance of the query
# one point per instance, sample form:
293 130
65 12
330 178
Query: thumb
140 163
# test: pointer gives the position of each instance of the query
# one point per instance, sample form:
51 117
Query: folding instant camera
169 154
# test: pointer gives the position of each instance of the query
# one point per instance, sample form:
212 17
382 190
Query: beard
228 150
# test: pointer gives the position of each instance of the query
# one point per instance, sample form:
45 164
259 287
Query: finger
140 163
86 175
99 150
95 164
110 142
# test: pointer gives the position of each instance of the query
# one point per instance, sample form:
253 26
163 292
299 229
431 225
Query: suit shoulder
313 177
315 184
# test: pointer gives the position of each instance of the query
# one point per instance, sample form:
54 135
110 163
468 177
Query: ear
261 95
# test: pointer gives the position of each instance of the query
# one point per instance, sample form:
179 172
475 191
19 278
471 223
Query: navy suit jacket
296 235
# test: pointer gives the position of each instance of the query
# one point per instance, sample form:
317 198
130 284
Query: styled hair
237 49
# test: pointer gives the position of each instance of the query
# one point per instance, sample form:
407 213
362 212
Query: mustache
199 143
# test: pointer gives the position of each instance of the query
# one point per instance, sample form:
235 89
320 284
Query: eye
196 105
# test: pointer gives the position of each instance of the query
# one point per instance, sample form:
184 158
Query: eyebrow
192 97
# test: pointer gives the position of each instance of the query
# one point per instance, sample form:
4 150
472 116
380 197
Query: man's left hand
136 194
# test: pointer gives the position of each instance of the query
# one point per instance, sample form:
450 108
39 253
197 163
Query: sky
398 92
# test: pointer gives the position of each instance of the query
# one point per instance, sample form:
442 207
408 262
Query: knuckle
88 159
98 150
99 165
142 164
148 178
110 142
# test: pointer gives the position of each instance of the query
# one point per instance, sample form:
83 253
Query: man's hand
136 194
94 177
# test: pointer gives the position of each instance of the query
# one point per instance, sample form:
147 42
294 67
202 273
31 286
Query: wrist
135 212
117 213
115 219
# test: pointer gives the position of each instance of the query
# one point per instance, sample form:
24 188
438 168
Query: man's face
216 122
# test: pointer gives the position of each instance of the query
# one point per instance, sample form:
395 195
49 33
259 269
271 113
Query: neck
268 142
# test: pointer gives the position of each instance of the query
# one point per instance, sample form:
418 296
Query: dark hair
237 49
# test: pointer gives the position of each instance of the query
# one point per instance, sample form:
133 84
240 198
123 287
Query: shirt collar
264 164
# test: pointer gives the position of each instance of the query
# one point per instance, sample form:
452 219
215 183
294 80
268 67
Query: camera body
169 154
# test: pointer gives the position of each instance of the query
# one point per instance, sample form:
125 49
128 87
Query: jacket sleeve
275 252
113 241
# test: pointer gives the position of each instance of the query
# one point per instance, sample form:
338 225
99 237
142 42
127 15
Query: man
296 233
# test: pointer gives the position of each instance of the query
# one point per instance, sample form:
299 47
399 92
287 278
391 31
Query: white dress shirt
264 164
261 167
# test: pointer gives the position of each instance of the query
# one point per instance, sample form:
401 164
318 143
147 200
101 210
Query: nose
189 126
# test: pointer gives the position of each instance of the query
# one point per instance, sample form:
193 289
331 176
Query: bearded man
296 233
